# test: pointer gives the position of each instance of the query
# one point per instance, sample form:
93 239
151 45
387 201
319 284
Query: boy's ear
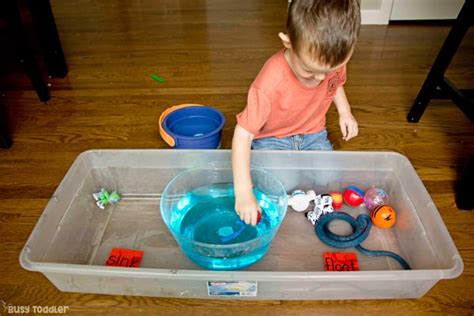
285 40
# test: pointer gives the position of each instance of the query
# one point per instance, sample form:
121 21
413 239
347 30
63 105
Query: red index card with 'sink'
120 257
340 261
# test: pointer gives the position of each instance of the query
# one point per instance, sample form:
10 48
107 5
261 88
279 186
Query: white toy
322 206
299 200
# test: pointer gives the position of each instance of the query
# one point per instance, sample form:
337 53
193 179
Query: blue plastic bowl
195 127
195 186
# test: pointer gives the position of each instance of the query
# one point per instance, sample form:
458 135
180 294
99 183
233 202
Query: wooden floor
209 52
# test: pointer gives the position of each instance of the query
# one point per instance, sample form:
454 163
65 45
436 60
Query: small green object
114 197
103 198
159 79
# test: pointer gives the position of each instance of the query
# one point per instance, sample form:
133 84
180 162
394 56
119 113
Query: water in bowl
213 236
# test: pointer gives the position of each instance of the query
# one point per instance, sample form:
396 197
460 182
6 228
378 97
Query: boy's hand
348 124
246 206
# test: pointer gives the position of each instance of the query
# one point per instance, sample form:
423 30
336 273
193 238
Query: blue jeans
317 141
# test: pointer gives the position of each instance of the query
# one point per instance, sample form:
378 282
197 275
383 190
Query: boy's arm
245 202
347 122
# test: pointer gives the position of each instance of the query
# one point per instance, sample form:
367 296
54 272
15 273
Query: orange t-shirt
279 105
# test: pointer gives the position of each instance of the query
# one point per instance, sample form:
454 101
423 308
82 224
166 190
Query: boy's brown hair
329 27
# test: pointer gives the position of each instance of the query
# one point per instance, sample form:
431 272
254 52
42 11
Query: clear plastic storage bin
73 237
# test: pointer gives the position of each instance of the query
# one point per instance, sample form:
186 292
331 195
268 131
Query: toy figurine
353 196
299 200
104 198
322 206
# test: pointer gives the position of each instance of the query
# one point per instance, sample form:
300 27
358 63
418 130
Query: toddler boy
288 101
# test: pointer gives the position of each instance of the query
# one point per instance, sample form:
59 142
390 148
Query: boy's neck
314 83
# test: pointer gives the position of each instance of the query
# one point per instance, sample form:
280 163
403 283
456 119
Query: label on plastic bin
120 257
340 261
232 288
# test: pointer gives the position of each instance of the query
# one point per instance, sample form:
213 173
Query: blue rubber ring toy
361 228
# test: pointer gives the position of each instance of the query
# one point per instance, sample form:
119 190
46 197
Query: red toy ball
353 196
337 200
383 216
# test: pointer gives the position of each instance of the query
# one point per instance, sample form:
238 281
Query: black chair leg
25 54
5 139
465 188
436 86
43 18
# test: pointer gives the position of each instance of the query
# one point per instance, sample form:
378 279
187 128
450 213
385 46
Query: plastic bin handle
167 137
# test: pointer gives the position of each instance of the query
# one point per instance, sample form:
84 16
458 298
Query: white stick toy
299 200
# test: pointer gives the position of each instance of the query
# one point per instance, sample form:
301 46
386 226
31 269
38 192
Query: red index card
340 261
120 257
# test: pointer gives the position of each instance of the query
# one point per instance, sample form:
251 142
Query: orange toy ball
383 216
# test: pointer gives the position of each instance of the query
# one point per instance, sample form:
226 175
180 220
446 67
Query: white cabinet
425 9
383 11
